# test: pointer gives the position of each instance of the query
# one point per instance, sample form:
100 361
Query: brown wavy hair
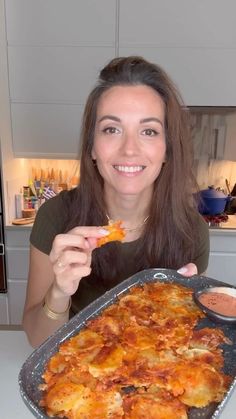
170 233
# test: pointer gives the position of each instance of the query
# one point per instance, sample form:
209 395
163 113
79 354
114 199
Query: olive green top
51 220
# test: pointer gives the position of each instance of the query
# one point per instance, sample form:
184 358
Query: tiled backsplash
215 172
214 139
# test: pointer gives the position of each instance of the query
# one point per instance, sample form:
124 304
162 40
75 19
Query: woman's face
129 143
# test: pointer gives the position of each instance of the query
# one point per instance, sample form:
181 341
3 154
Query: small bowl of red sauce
218 303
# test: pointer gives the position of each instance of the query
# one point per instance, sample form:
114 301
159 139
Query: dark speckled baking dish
31 372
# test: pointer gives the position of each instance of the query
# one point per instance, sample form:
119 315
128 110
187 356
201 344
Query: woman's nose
130 144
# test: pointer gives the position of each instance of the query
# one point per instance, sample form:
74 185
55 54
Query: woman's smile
129 169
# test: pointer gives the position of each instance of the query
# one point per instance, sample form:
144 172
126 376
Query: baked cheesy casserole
141 358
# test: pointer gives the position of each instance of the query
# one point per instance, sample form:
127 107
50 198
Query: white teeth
129 169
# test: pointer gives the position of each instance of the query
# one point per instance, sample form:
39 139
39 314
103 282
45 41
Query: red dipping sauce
220 303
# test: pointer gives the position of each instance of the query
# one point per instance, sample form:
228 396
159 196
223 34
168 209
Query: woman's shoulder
51 219
58 203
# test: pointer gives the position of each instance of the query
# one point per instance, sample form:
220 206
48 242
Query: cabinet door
4 317
61 22
222 262
194 41
46 130
222 266
17 263
201 74
61 75
55 52
17 255
16 300
184 23
48 87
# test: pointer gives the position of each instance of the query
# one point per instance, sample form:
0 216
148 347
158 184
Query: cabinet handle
2 249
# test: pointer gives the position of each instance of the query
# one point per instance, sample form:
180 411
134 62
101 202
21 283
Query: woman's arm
37 325
54 278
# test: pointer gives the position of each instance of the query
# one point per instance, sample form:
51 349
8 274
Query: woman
136 166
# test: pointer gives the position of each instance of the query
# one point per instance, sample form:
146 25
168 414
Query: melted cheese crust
142 357
116 233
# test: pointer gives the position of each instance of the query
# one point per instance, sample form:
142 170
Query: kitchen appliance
3 282
212 201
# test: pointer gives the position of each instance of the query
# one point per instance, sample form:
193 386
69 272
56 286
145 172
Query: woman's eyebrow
111 117
152 118
144 120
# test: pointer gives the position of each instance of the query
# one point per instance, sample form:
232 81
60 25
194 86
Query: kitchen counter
14 349
228 225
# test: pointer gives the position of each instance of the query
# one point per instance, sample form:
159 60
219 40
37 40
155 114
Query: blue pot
212 201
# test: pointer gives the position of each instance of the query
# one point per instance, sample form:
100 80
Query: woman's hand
188 270
71 256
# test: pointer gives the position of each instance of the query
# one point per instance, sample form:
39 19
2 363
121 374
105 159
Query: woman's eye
150 132
110 130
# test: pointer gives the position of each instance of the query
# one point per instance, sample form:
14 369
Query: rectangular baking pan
30 375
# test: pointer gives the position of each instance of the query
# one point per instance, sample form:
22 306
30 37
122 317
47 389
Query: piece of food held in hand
141 355
116 232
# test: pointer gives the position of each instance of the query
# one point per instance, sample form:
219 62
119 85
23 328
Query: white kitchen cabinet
56 49
48 88
17 264
46 130
208 23
61 22
4 314
194 41
16 300
54 74
200 73
55 52
222 262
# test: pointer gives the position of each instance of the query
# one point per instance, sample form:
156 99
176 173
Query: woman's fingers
71 256
188 270
83 238
70 268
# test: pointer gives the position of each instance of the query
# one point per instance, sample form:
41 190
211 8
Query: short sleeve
49 221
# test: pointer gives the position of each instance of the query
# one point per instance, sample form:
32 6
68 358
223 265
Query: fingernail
103 231
182 270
